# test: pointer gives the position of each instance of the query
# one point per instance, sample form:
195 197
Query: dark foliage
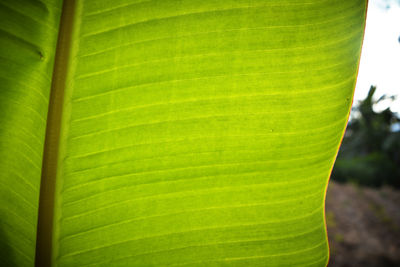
370 151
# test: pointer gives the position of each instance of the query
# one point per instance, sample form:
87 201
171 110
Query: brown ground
363 226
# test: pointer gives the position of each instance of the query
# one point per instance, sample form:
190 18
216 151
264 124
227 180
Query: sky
380 56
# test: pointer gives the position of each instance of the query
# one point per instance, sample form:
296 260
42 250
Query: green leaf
28 37
190 132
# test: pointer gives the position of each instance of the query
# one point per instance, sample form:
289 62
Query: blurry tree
370 151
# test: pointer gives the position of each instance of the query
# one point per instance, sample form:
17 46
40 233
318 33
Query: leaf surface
28 36
200 133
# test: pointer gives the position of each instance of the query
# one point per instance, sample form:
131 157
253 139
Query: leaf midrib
44 238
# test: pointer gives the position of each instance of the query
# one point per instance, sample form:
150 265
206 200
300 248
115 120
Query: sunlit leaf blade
28 35
203 132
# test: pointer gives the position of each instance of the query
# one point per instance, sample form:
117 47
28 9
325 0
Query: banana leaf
172 132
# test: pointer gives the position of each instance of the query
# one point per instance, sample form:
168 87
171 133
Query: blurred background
363 200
